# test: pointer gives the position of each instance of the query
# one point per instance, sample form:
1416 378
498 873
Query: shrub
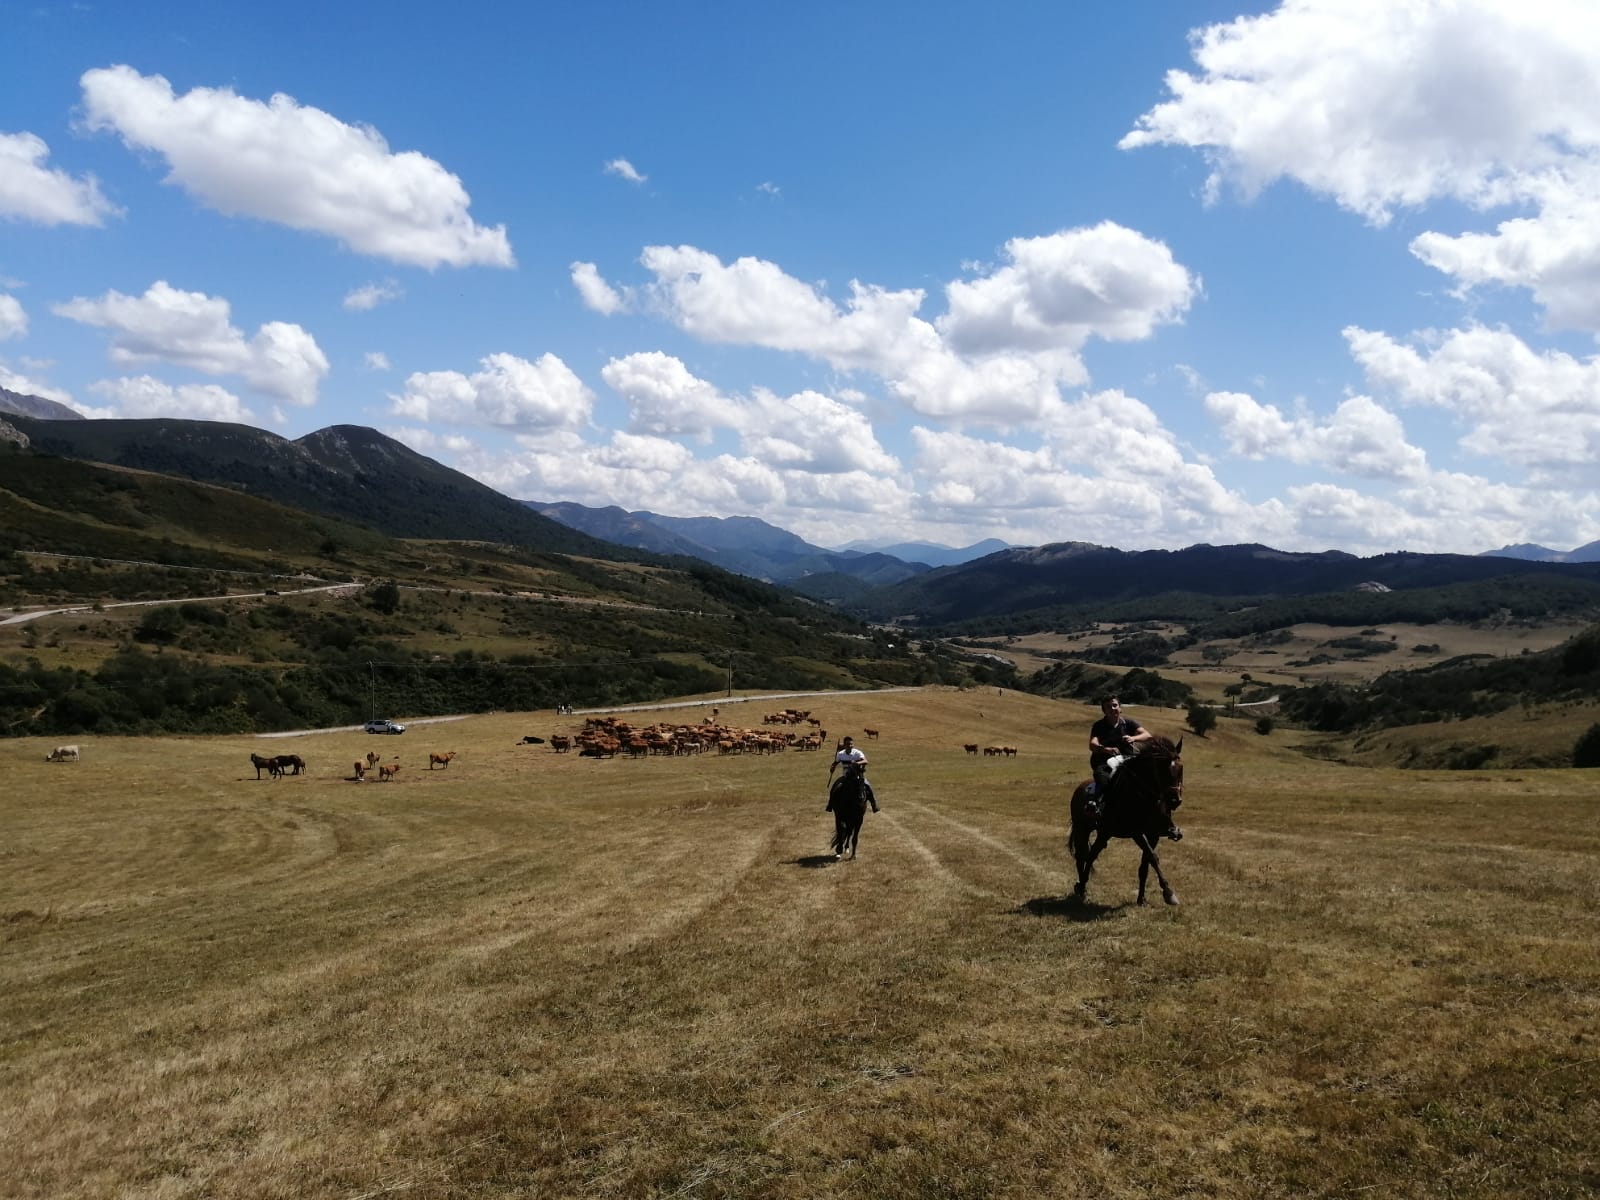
1265 725
1202 718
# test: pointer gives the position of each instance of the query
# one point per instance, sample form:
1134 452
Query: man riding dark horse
853 760
848 798
1138 804
1113 740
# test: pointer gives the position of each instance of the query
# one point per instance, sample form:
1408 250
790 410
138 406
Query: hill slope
1014 583
345 471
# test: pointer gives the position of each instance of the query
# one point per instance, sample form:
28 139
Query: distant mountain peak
22 404
1528 552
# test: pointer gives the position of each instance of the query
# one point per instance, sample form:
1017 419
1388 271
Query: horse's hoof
1140 901
1171 898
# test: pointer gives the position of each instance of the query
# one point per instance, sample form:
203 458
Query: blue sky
1321 274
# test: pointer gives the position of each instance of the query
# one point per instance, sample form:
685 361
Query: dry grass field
537 975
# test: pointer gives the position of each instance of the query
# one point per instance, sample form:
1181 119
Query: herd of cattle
606 737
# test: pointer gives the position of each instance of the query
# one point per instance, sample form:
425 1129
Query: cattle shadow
1068 908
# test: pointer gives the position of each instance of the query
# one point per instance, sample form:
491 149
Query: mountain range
357 475
744 545
1529 552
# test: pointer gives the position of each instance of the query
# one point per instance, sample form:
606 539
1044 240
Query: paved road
24 617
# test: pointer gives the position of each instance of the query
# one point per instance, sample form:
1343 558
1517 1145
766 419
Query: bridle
1172 790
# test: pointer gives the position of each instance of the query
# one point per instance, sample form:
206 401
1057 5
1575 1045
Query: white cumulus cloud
664 398
298 166
1058 291
595 292
13 318
1009 341
1539 411
144 396
1382 104
507 392
32 191
194 330
1361 437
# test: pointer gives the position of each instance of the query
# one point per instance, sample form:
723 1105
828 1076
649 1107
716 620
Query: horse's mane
1159 747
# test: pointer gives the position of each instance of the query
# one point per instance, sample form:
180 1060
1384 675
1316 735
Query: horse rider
851 758
1114 739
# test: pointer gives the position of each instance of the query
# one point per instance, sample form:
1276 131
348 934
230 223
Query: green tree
1202 718
385 598
1587 752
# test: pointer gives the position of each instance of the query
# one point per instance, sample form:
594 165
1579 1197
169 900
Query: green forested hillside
419 627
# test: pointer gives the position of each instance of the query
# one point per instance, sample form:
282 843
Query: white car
385 726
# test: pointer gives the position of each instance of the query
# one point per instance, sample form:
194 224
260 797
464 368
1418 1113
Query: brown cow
970 747
871 733
442 759
388 772
360 769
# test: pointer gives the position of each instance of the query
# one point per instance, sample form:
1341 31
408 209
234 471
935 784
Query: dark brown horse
1138 804
849 800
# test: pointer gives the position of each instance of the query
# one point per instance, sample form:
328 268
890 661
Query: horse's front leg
1152 859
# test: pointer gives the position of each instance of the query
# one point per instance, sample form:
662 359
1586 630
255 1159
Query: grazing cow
442 759
360 769
271 764
387 772
560 744
871 733
970 747
530 740
1009 751
290 764
66 754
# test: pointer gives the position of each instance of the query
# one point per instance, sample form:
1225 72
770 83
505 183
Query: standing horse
849 800
1137 804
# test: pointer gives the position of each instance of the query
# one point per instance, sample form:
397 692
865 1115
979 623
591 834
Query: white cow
62 754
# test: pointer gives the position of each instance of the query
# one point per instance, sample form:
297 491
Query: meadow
532 974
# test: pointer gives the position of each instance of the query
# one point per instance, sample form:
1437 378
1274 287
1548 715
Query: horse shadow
813 861
1067 907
